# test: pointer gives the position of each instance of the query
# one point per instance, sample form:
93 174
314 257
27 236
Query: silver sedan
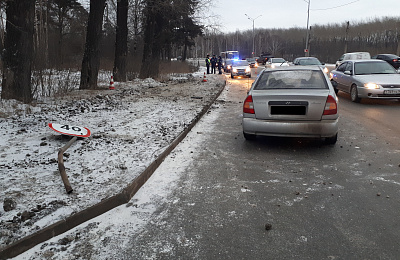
366 79
294 101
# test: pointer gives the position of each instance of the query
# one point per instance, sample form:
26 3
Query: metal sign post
75 131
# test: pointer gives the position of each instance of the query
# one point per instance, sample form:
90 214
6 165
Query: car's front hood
240 67
379 78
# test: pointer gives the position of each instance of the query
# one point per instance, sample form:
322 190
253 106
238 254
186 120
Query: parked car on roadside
291 101
310 61
276 62
392 59
353 56
240 68
366 79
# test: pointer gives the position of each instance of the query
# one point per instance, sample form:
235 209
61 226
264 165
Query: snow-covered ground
108 236
130 127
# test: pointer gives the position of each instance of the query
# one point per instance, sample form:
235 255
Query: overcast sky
293 13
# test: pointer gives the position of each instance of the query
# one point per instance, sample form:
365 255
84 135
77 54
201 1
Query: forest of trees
327 42
131 38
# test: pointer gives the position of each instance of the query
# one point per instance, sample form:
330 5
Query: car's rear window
291 79
309 62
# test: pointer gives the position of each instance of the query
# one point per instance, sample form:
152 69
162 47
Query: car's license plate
394 91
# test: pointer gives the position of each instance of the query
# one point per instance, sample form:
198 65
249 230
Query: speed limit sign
70 130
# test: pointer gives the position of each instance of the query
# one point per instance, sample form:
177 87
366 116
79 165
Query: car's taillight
330 106
395 60
248 106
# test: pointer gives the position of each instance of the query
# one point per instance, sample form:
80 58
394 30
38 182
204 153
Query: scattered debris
268 226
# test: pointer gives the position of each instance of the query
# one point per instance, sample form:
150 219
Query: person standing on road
208 64
219 64
213 64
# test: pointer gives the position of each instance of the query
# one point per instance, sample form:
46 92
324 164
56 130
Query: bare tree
153 38
121 41
18 50
91 57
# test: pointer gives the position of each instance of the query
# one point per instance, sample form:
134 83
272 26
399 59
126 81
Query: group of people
214 62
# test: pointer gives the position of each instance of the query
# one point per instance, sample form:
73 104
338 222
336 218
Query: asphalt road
218 196
317 201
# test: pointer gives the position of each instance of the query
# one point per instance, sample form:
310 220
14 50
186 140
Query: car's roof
388 54
307 58
365 60
289 68
357 52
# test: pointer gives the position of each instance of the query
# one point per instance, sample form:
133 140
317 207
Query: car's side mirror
347 72
323 63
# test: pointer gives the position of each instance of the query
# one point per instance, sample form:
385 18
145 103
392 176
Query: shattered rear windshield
291 79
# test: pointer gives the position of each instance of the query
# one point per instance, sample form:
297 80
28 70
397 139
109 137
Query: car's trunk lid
296 104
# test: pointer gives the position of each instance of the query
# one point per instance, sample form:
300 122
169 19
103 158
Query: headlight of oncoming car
234 70
248 69
372 86
326 70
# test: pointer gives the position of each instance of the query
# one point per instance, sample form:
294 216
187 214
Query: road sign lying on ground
64 129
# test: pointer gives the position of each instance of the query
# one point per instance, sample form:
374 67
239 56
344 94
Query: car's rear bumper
318 129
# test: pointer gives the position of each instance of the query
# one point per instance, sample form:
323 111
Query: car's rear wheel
354 94
331 140
249 136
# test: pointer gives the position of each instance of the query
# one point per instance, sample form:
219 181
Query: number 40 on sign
78 131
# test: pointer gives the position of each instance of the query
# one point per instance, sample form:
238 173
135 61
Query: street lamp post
308 33
252 19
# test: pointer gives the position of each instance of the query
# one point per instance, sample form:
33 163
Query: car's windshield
365 68
240 63
291 79
277 60
309 62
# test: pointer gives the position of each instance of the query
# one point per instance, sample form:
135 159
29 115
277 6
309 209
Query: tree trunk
121 42
152 40
18 51
185 47
91 57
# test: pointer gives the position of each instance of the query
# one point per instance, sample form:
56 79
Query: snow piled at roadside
106 236
130 127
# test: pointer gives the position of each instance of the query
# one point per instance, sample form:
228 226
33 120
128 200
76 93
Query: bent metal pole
61 167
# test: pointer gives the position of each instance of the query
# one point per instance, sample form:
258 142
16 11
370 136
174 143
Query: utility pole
345 38
398 43
248 17
307 53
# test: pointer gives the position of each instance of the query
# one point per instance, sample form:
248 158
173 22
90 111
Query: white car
353 56
276 62
241 68
310 61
